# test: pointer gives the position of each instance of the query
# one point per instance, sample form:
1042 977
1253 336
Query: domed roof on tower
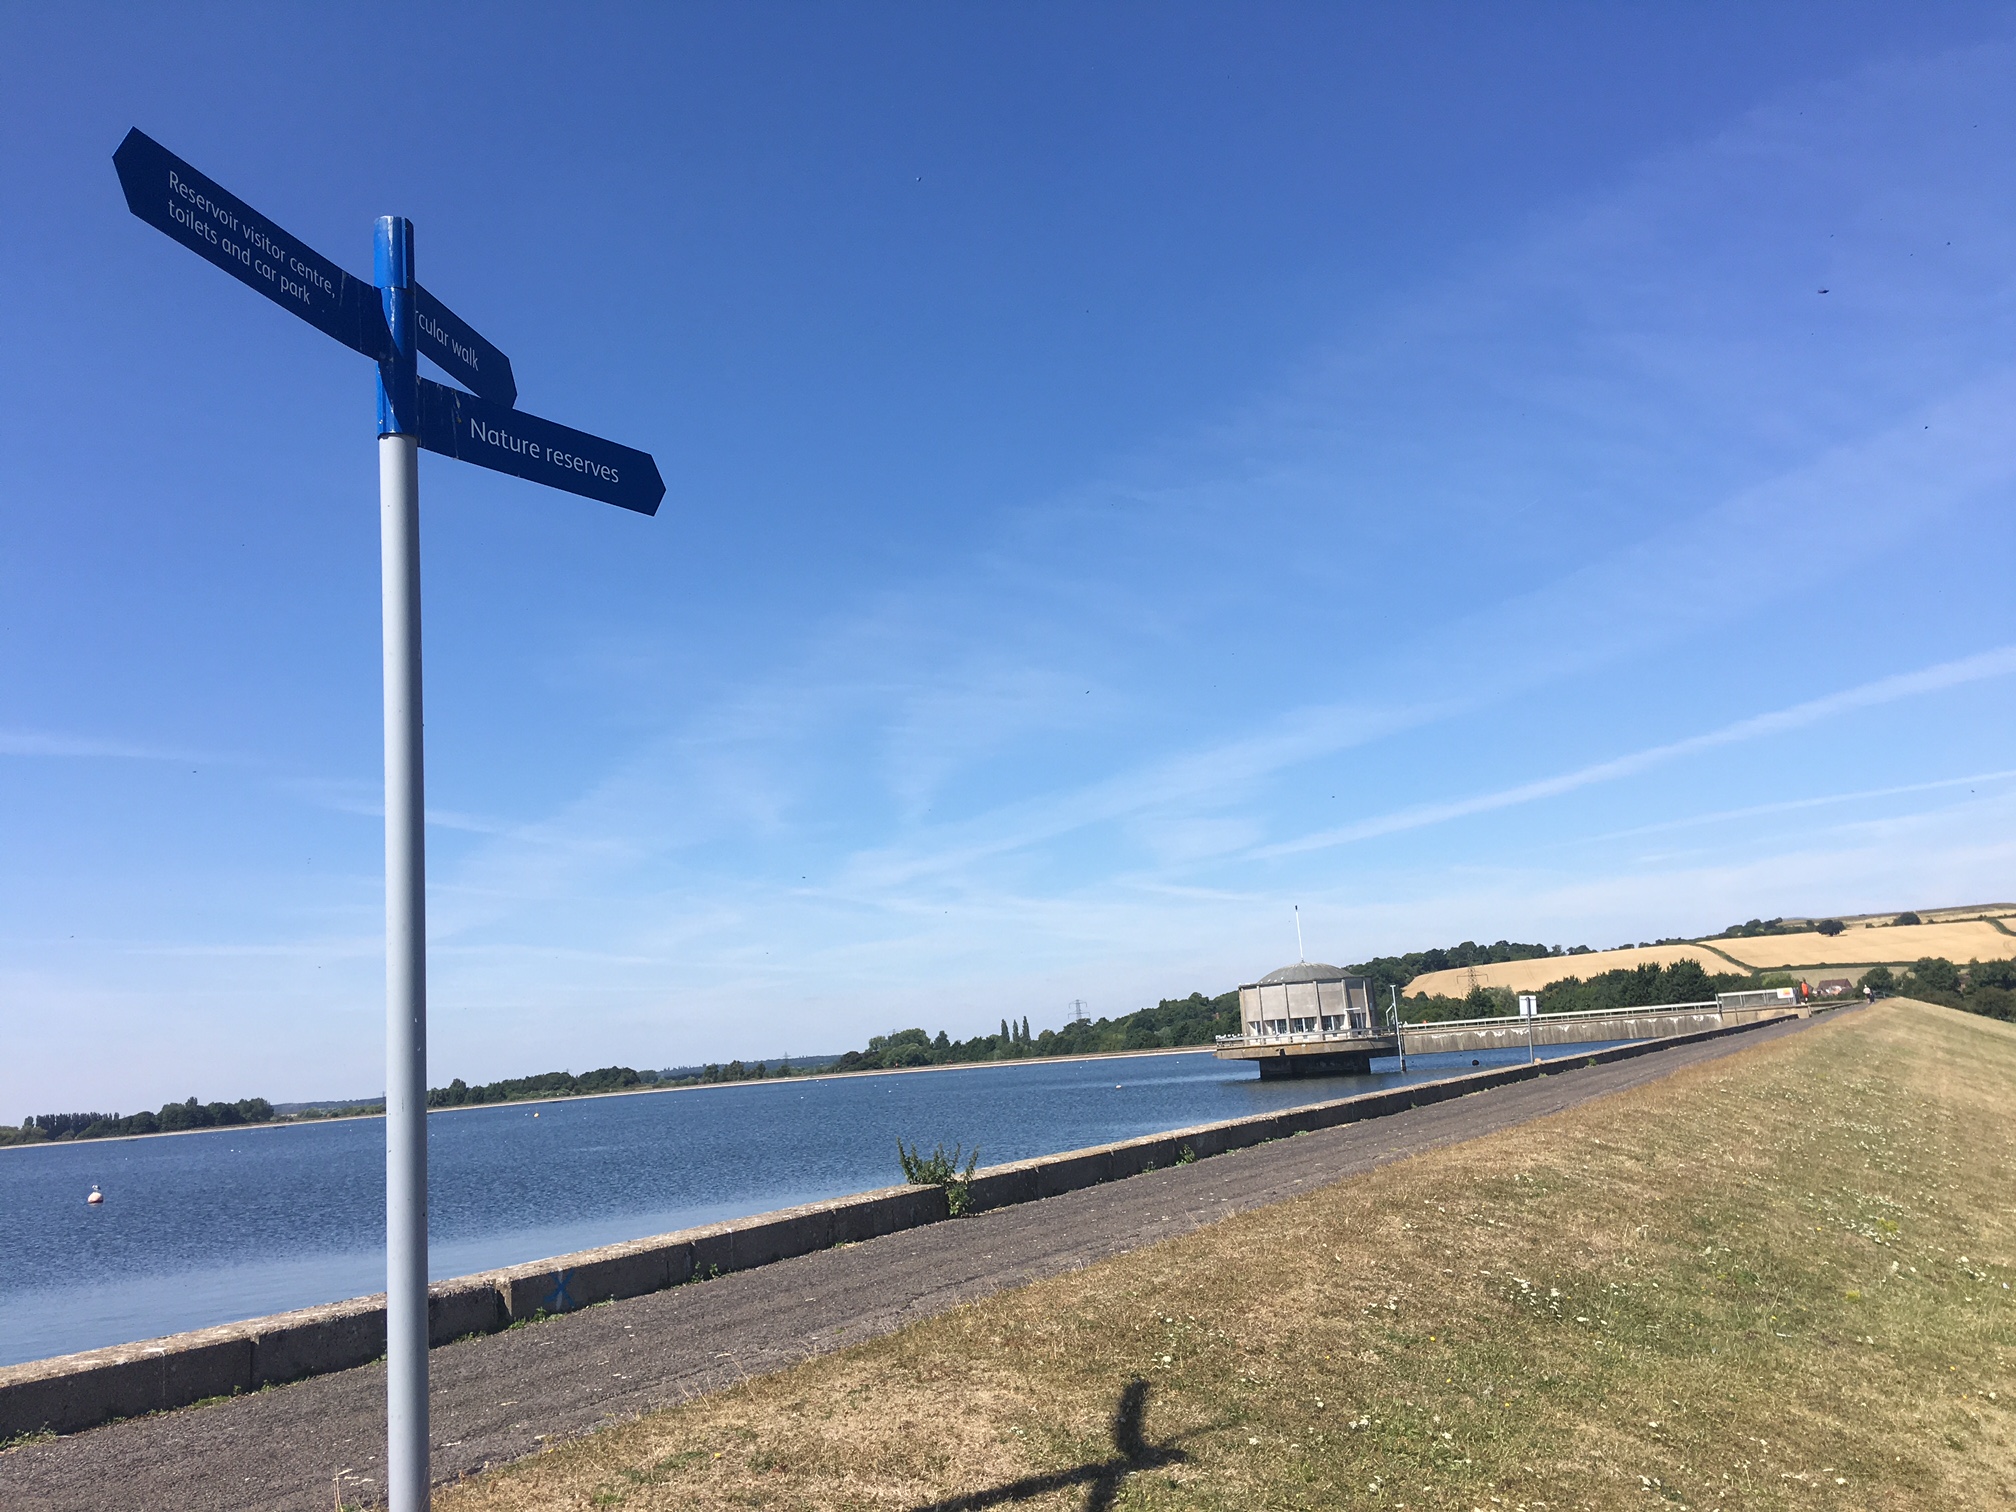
1304 971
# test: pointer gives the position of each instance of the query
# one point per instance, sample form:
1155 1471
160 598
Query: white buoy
96 1197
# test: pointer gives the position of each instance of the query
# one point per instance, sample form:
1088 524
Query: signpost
221 228
451 344
455 424
1399 1029
395 322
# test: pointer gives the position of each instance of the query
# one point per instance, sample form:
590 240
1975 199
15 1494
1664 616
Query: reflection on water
207 1228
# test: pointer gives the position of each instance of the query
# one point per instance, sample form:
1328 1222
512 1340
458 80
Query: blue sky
1131 470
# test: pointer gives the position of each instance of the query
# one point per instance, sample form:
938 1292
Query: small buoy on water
535 1115
1116 1086
97 1197
1476 1063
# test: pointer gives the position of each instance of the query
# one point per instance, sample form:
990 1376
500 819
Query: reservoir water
212 1227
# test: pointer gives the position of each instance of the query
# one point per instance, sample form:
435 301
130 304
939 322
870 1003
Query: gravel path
502 1396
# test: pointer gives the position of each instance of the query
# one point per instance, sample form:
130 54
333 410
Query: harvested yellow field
1859 945
1531 976
1863 945
2005 911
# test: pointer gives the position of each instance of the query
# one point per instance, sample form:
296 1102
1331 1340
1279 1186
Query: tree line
1757 928
1984 987
1177 1023
1395 972
173 1116
1647 986
1173 1023
459 1094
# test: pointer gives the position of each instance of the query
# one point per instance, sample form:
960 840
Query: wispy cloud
51 743
1997 663
1223 772
350 796
1798 805
1835 512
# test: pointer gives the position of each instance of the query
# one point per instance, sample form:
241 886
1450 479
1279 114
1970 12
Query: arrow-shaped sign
480 427
459 425
218 226
453 345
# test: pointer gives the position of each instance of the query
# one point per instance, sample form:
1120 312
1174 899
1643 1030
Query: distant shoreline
533 1102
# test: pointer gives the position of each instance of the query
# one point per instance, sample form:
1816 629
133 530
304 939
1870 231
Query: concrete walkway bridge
1349 1049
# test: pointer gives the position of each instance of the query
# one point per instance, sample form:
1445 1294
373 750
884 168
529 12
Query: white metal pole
407 1476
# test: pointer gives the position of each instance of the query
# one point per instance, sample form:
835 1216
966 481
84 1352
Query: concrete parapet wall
73 1392
1426 1039
1028 1180
1465 1036
455 1309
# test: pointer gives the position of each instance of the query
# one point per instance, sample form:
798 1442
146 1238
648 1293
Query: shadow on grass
1131 1452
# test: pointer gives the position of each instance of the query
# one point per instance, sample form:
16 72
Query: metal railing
1559 1018
1388 1031
1307 1036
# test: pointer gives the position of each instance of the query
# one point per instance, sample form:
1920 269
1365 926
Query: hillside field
1870 945
1861 945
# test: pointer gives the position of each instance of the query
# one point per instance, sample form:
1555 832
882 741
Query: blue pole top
392 259
398 378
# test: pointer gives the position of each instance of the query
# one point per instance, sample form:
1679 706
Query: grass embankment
1779 1280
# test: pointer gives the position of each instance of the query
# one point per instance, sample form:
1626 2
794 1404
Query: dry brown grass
1779 1280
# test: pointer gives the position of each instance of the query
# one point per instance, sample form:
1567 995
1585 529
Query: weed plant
940 1169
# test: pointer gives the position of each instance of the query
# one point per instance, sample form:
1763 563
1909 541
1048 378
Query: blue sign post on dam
394 322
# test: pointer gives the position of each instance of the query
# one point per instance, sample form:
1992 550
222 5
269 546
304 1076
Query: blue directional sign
480 427
459 425
452 344
216 225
